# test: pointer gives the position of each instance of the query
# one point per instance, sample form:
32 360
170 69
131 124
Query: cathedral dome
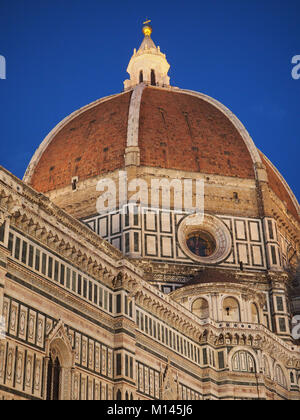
171 128
152 124
176 131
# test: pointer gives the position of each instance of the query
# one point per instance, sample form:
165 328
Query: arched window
119 395
254 314
141 76
53 378
200 308
58 365
279 377
243 361
153 79
231 310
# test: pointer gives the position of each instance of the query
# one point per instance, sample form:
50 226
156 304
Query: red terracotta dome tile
90 144
183 132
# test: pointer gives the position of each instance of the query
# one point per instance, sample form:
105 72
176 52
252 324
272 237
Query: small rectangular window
105 299
279 301
10 242
62 274
270 226
221 360
118 364
126 305
2 232
110 302
85 288
136 241
118 304
44 263
126 221
68 283
273 254
136 216
131 368
24 252
204 354
130 309
95 294
90 291
101 297
126 365
17 248
50 267
56 270
282 325
79 285
127 243
37 260
30 256
74 275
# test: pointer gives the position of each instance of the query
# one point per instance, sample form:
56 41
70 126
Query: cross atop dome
147 65
147 29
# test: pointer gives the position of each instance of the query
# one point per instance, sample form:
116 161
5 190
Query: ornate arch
223 306
248 350
60 359
280 376
203 311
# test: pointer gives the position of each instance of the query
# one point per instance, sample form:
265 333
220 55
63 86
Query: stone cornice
36 215
248 292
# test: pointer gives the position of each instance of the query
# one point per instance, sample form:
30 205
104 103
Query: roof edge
285 184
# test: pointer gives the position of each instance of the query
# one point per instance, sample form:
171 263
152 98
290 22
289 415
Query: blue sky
64 54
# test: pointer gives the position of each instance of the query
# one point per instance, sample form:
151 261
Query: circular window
201 243
204 238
